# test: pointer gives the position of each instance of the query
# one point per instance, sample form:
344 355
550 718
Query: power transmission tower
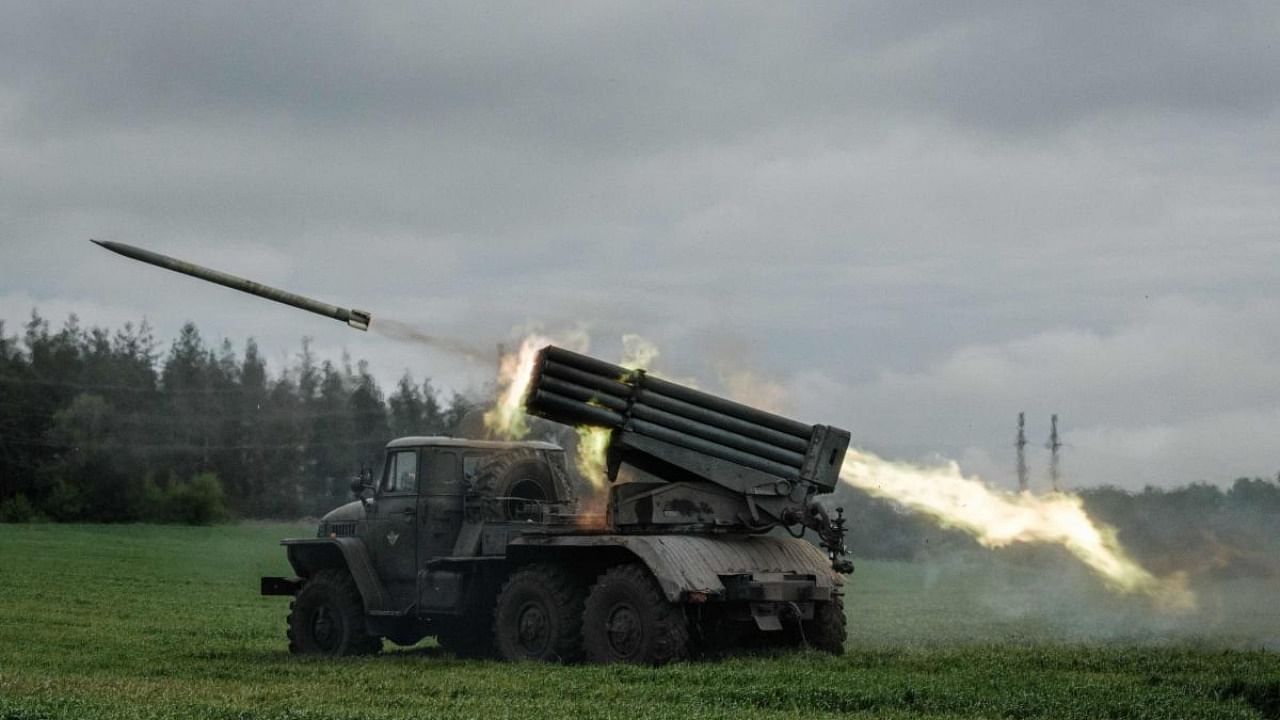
1021 444
1054 446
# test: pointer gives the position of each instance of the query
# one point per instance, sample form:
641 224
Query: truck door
393 526
440 505
440 508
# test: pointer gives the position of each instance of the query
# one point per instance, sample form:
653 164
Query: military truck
484 546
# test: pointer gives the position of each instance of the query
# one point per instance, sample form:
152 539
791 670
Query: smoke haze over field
913 220
1038 594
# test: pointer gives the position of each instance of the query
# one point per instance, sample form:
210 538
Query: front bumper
281 586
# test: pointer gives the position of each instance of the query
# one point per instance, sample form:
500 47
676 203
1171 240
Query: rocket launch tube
578 412
715 434
728 407
786 452
585 394
357 319
732 424
587 379
679 392
579 390
593 389
717 450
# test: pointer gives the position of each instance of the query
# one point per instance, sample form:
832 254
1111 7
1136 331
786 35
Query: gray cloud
659 73
1184 390
919 218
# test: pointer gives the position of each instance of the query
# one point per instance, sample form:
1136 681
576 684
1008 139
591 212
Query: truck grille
341 529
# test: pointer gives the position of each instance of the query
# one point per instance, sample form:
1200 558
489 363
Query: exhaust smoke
397 330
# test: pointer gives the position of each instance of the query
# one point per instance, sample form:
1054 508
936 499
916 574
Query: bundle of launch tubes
575 389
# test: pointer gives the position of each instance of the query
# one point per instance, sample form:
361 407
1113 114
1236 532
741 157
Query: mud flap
766 616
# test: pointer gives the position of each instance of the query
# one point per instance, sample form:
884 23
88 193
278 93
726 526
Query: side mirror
362 482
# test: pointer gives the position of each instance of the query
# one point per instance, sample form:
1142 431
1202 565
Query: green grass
145 622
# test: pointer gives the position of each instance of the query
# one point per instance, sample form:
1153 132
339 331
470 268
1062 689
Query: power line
1021 444
1054 446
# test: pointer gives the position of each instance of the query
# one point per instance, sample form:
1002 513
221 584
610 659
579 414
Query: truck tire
327 618
714 635
519 475
628 619
827 630
539 616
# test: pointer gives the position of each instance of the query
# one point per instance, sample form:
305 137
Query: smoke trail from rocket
997 519
397 330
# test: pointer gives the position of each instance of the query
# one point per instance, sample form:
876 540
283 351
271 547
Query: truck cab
435 501
429 529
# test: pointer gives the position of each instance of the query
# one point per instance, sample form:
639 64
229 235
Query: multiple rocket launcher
574 389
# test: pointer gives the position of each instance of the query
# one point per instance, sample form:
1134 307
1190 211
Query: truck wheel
539 616
327 618
628 619
826 631
714 635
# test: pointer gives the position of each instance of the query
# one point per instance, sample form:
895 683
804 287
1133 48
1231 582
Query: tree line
103 426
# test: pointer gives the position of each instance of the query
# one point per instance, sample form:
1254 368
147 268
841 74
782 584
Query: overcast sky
909 220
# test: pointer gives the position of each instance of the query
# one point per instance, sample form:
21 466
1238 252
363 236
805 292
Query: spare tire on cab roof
515 477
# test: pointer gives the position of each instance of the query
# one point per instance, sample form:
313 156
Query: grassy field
148 622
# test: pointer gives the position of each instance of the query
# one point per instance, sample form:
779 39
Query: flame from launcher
507 418
593 442
996 519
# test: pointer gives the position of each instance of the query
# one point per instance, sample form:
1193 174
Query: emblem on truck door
392 537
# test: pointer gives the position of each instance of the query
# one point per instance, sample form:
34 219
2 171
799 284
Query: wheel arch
310 555
584 561
592 555
683 564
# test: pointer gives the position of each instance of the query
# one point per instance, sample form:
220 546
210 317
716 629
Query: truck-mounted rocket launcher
499 559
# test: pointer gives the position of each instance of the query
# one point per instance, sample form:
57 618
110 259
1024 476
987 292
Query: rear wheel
628 619
714 634
539 616
827 630
327 618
